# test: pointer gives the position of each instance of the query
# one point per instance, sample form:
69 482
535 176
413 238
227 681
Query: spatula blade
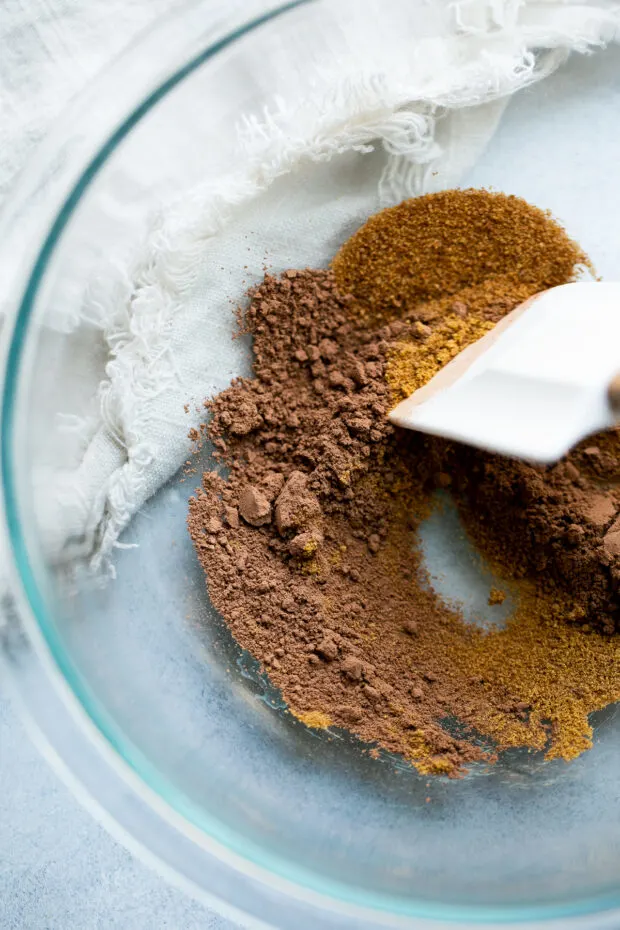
534 388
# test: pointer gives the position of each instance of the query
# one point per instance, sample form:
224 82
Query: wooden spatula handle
613 394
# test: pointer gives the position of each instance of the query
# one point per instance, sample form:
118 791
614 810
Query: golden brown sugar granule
434 246
496 597
461 259
450 326
412 364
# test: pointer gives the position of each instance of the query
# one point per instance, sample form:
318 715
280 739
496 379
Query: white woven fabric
372 116
49 50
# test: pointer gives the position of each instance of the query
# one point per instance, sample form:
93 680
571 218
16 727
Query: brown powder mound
310 549
324 590
435 246
553 525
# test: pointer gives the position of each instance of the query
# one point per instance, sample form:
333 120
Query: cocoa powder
308 537
555 525
323 587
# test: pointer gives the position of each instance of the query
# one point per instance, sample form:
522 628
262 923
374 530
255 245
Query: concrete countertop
59 870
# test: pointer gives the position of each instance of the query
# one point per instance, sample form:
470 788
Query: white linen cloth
376 114
49 49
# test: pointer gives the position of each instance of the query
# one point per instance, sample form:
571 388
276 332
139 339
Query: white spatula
543 379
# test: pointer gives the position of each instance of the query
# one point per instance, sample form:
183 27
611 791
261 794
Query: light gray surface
59 870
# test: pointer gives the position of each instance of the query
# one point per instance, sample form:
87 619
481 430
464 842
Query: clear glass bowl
136 689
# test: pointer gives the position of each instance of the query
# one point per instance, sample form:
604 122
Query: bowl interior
149 659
